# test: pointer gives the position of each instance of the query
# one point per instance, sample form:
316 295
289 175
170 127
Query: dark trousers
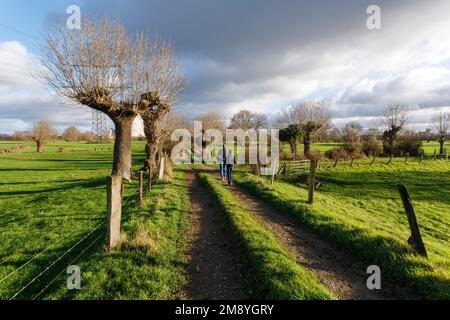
230 174
223 174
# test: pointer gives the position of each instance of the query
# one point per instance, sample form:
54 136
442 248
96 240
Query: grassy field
428 148
48 202
361 209
51 201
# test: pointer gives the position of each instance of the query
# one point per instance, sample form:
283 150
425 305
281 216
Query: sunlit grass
361 209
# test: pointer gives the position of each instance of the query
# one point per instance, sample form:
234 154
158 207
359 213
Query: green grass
69 147
151 263
360 209
280 277
52 200
428 148
321 147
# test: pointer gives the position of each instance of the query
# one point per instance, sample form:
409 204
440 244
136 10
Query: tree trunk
293 145
122 147
307 144
152 148
441 145
39 146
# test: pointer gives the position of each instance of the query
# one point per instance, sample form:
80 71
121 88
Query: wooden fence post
114 198
422 155
141 200
149 182
406 157
312 181
351 163
390 159
415 240
374 157
274 170
434 155
336 162
161 168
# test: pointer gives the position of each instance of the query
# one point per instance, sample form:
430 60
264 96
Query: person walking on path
221 159
230 166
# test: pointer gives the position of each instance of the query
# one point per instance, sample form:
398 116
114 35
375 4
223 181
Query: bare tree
334 135
42 131
21 136
312 116
103 68
169 83
169 123
247 120
259 120
86 136
211 120
351 133
286 116
441 124
71 134
394 120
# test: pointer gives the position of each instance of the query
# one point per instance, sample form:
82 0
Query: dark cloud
266 53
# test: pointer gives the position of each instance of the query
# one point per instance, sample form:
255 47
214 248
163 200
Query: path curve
342 273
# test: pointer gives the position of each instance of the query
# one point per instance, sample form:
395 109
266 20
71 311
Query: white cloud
16 65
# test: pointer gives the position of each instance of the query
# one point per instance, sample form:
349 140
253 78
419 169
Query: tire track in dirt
214 269
342 273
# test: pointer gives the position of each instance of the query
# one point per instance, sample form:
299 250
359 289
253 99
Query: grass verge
150 263
375 236
280 277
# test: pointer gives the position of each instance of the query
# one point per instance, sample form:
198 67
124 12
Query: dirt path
342 273
214 270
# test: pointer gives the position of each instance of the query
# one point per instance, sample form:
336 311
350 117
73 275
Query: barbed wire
125 206
56 261
59 241
71 263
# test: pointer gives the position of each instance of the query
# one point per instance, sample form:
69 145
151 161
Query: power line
17 31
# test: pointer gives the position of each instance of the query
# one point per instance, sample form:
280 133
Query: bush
346 152
316 155
407 144
371 146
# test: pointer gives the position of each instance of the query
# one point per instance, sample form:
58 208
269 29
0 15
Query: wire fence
126 205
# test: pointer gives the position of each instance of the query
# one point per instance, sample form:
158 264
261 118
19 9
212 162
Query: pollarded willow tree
441 124
168 84
393 120
312 116
309 117
42 132
103 68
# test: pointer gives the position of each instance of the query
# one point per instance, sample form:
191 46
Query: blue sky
255 54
